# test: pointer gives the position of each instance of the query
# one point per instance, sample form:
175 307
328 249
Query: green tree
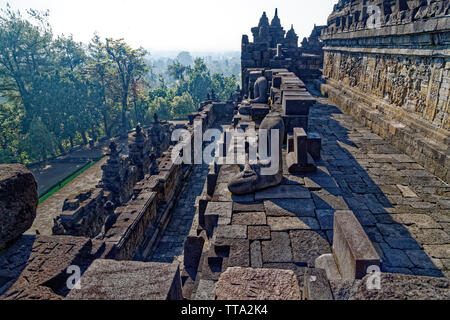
161 107
40 142
176 70
182 106
129 64
26 52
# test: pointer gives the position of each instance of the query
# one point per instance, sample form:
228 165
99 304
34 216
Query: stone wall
136 224
83 215
393 73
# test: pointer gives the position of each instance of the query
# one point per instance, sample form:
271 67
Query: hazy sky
194 25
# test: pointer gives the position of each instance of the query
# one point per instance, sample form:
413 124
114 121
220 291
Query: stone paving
404 209
171 244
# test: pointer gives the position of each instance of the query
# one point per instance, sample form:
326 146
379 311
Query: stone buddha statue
265 173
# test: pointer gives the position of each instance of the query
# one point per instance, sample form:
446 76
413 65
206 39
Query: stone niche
83 215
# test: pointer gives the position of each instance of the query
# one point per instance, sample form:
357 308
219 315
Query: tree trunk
124 131
61 148
84 137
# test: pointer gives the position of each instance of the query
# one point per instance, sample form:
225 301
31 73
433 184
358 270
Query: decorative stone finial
276 21
264 21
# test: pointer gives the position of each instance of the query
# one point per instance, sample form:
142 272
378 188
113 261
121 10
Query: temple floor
404 209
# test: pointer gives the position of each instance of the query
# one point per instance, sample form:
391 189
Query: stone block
352 247
290 208
129 280
308 245
300 146
327 263
283 192
292 223
18 202
217 213
278 249
258 233
205 290
256 255
405 287
249 218
257 284
231 232
297 105
292 122
193 248
247 207
294 167
314 145
316 285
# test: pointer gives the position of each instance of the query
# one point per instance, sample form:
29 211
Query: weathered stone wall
139 222
18 202
83 215
393 73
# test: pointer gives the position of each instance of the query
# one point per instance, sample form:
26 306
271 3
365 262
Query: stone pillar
137 151
300 145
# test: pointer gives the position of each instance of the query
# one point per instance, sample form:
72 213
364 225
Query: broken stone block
129 280
316 285
352 247
257 284
202 205
211 181
18 202
403 287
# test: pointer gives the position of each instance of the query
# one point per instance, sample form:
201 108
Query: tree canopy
56 93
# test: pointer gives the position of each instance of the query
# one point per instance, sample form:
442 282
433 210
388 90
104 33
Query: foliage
56 93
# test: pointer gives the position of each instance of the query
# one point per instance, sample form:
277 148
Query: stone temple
358 210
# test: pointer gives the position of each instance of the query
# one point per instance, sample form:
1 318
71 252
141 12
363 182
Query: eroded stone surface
257 284
124 280
405 287
18 202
